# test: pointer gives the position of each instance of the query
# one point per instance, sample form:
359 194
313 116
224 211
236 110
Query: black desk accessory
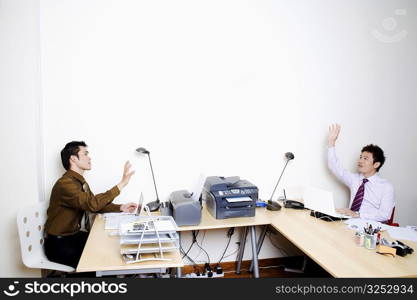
272 205
292 203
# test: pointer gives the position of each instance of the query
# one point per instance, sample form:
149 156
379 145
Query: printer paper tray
239 199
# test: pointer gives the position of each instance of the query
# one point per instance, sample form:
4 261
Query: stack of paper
403 233
358 224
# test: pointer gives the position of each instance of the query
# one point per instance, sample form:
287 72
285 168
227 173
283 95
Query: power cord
195 265
185 254
273 244
192 244
208 257
201 244
323 216
234 252
218 268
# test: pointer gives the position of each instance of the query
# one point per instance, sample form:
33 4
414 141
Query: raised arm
333 162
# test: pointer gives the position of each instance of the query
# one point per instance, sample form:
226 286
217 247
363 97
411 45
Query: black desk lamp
271 205
154 205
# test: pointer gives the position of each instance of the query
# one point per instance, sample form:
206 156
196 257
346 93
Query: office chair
30 225
390 222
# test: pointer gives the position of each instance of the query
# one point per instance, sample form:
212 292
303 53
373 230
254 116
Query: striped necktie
356 204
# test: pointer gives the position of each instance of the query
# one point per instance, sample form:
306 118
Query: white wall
363 82
19 124
225 88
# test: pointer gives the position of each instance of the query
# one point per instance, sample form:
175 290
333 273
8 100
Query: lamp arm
279 179
153 176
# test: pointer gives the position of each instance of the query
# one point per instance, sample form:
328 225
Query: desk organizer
148 235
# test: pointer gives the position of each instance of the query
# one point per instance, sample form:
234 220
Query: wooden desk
332 246
101 254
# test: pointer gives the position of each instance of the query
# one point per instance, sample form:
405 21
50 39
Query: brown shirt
70 198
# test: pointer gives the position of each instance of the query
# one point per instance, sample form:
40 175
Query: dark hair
72 148
377 154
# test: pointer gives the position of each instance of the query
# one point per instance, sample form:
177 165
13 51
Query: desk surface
102 253
262 217
332 246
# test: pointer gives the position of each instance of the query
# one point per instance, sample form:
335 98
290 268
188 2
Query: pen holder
165 209
370 241
359 238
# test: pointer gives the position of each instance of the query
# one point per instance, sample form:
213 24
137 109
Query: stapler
402 249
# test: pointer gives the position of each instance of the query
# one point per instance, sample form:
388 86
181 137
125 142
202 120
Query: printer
184 209
229 197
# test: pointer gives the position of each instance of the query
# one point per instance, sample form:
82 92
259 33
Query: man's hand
347 212
128 207
126 176
334 131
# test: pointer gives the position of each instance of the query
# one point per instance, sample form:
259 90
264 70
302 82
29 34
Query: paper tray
148 248
163 224
148 238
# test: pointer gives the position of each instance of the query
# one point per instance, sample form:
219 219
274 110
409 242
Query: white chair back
30 224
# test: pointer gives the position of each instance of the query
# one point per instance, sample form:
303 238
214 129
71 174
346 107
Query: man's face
83 161
366 163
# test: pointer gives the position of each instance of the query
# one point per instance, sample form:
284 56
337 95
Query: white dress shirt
378 200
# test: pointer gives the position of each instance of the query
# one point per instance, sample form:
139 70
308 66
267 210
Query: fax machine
229 197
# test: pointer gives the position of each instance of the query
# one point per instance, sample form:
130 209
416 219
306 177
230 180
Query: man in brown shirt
71 199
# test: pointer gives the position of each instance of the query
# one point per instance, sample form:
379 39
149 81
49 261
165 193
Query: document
358 224
402 233
239 199
198 187
112 220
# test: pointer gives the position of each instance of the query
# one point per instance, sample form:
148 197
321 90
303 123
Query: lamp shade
142 150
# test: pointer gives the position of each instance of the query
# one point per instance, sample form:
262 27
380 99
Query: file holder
148 235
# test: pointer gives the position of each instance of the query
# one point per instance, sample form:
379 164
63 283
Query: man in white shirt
372 197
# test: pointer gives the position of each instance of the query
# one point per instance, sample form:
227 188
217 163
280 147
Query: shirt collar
374 178
75 175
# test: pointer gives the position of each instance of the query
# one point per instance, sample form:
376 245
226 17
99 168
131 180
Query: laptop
112 220
321 201
140 208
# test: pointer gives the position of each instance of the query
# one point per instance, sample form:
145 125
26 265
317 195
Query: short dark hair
71 148
377 154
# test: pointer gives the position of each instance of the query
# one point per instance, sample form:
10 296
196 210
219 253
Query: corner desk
329 244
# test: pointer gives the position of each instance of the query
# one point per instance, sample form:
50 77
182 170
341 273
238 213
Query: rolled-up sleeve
335 166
